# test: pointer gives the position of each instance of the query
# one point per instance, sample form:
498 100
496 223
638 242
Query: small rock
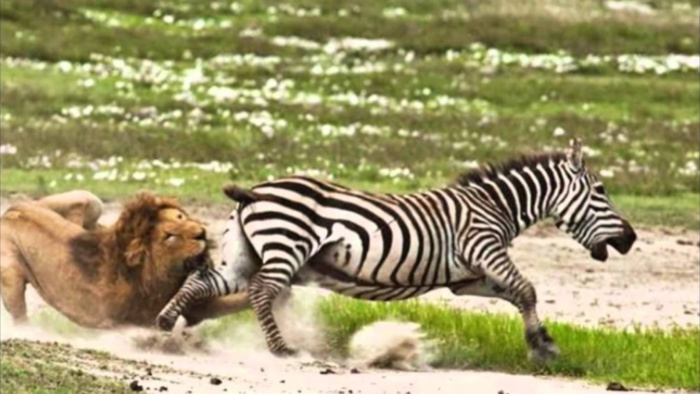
327 371
281 381
684 242
162 388
615 386
215 381
549 301
135 386
354 370
590 270
149 371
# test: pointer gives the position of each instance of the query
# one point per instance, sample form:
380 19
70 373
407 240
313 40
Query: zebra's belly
308 276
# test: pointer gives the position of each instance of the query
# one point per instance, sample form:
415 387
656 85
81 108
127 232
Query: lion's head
150 250
157 231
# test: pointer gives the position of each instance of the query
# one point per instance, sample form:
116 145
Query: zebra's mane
491 170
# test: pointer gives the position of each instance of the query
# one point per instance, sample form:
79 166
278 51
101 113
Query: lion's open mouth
202 260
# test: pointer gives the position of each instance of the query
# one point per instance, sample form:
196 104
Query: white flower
558 132
86 83
607 173
177 182
356 44
295 42
393 12
8 149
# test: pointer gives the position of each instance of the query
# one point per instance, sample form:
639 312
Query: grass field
640 358
32 368
648 358
181 97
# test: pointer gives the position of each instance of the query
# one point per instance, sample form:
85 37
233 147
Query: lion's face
159 238
177 238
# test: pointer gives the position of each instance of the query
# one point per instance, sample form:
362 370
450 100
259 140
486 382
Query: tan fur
99 277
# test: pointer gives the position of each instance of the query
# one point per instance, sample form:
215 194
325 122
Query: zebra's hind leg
519 292
200 285
264 288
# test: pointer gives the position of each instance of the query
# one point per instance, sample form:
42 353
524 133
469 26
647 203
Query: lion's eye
180 216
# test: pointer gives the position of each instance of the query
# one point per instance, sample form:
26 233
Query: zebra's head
586 212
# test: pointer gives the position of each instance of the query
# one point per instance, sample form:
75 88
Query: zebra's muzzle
622 243
599 251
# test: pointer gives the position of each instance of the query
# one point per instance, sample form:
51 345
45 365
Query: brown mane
491 171
125 242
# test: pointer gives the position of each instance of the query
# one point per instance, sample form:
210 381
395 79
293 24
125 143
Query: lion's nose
202 236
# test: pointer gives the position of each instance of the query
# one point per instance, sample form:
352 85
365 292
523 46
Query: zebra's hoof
542 346
544 353
285 352
165 322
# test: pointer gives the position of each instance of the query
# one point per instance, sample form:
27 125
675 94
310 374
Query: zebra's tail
240 194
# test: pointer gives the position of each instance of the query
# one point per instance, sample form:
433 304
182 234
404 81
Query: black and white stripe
299 230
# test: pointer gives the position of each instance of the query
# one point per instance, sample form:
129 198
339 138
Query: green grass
427 104
30 367
639 357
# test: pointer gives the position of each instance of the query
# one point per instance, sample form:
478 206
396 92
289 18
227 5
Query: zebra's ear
575 154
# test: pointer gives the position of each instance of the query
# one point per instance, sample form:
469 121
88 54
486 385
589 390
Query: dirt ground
657 283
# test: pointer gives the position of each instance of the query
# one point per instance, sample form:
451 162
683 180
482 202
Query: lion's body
97 276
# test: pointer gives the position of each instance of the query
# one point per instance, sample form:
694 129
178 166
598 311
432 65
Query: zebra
299 230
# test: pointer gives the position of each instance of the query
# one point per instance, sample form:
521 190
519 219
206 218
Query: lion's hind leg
13 285
78 206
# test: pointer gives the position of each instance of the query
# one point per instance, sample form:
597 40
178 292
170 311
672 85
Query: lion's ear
136 254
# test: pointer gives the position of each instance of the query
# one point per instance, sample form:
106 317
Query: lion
102 276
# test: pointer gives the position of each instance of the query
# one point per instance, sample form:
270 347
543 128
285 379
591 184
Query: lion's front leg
14 285
215 307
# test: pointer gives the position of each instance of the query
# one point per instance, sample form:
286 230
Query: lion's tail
241 195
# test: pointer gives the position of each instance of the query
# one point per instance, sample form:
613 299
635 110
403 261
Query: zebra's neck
520 197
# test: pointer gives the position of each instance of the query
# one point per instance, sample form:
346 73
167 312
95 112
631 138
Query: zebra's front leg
513 286
503 280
